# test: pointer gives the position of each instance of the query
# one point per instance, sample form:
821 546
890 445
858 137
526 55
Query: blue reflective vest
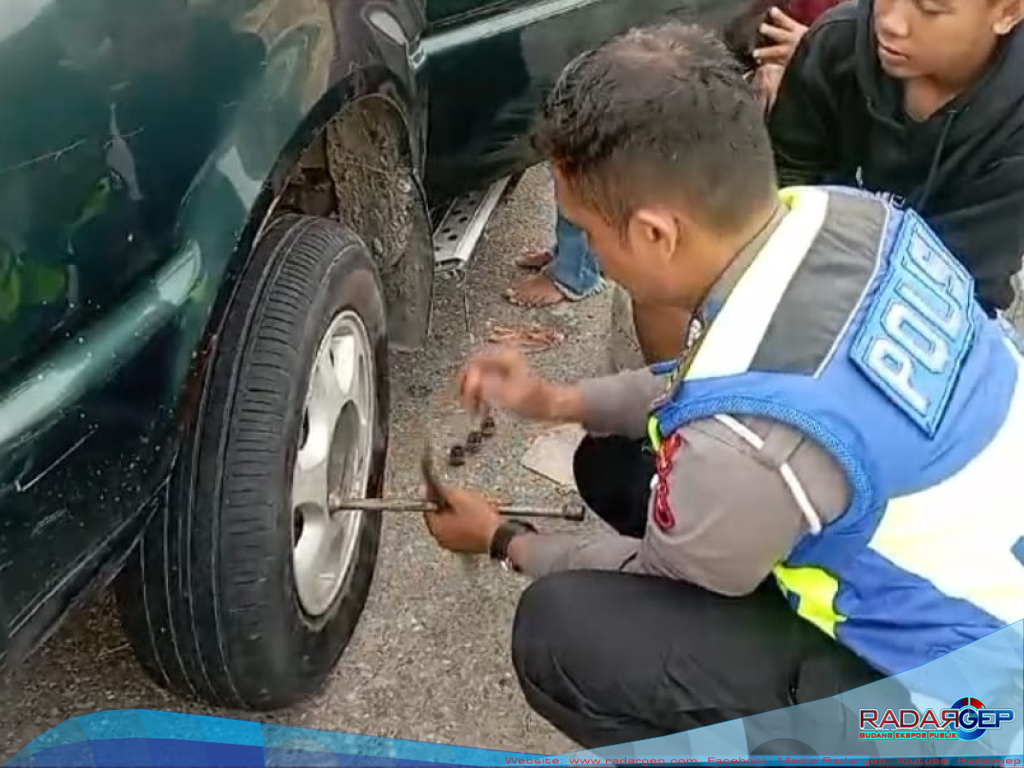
858 327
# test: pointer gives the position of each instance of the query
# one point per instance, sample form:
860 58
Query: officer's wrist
504 536
564 402
518 546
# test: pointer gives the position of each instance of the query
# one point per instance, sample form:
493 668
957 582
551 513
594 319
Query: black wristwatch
507 531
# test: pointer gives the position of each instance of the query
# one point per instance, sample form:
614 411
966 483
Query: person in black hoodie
924 100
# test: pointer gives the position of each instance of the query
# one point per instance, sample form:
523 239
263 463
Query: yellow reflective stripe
198 291
789 195
654 433
22 281
815 591
45 284
95 204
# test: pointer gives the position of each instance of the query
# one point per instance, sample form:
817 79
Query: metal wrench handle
575 512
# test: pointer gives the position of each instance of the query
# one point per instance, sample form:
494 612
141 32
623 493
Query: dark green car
215 218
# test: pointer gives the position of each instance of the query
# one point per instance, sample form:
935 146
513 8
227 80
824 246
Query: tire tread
213 550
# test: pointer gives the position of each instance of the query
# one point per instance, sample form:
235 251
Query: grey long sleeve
618 404
735 517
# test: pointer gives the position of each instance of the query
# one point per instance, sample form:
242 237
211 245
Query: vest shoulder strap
795 301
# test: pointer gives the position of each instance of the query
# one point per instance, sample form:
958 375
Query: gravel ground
430 659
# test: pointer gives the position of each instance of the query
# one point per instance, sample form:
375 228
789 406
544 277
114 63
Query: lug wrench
573 511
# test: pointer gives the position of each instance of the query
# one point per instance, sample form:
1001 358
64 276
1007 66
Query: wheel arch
359 126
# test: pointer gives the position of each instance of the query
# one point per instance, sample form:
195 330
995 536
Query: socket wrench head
575 511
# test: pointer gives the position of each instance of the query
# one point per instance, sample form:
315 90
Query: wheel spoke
345 356
309 480
311 555
326 397
364 378
341 523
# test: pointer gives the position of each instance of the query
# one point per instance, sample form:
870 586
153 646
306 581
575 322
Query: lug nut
488 427
456 455
473 441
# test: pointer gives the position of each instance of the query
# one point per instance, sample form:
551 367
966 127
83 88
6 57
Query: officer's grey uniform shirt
735 516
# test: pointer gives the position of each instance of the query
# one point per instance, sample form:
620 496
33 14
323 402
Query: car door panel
488 74
443 12
108 109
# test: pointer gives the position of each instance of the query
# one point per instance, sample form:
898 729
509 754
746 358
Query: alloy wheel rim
334 454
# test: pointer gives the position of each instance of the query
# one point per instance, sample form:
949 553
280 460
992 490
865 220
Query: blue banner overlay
964 709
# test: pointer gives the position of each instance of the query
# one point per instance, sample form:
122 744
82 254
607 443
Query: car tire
215 599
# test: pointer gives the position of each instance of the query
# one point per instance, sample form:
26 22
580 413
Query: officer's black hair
660 111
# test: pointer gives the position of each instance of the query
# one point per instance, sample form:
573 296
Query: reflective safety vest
856 326
25 284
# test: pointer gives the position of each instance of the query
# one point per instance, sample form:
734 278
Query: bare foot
535 260
535 291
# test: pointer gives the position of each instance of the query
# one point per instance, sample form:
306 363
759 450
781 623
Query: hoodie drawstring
921 198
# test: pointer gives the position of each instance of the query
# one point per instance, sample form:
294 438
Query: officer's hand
500 377
785 34
465 522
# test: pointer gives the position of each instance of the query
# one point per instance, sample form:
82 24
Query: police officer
833 460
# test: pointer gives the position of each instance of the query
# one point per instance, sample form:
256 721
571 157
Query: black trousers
610 658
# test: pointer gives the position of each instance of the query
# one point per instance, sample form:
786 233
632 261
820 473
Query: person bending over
795 525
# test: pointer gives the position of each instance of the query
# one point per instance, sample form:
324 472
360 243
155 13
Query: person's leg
613 475
574 268
536 260
572 274
609 658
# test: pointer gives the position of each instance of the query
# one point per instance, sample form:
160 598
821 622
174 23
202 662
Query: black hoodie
838 116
